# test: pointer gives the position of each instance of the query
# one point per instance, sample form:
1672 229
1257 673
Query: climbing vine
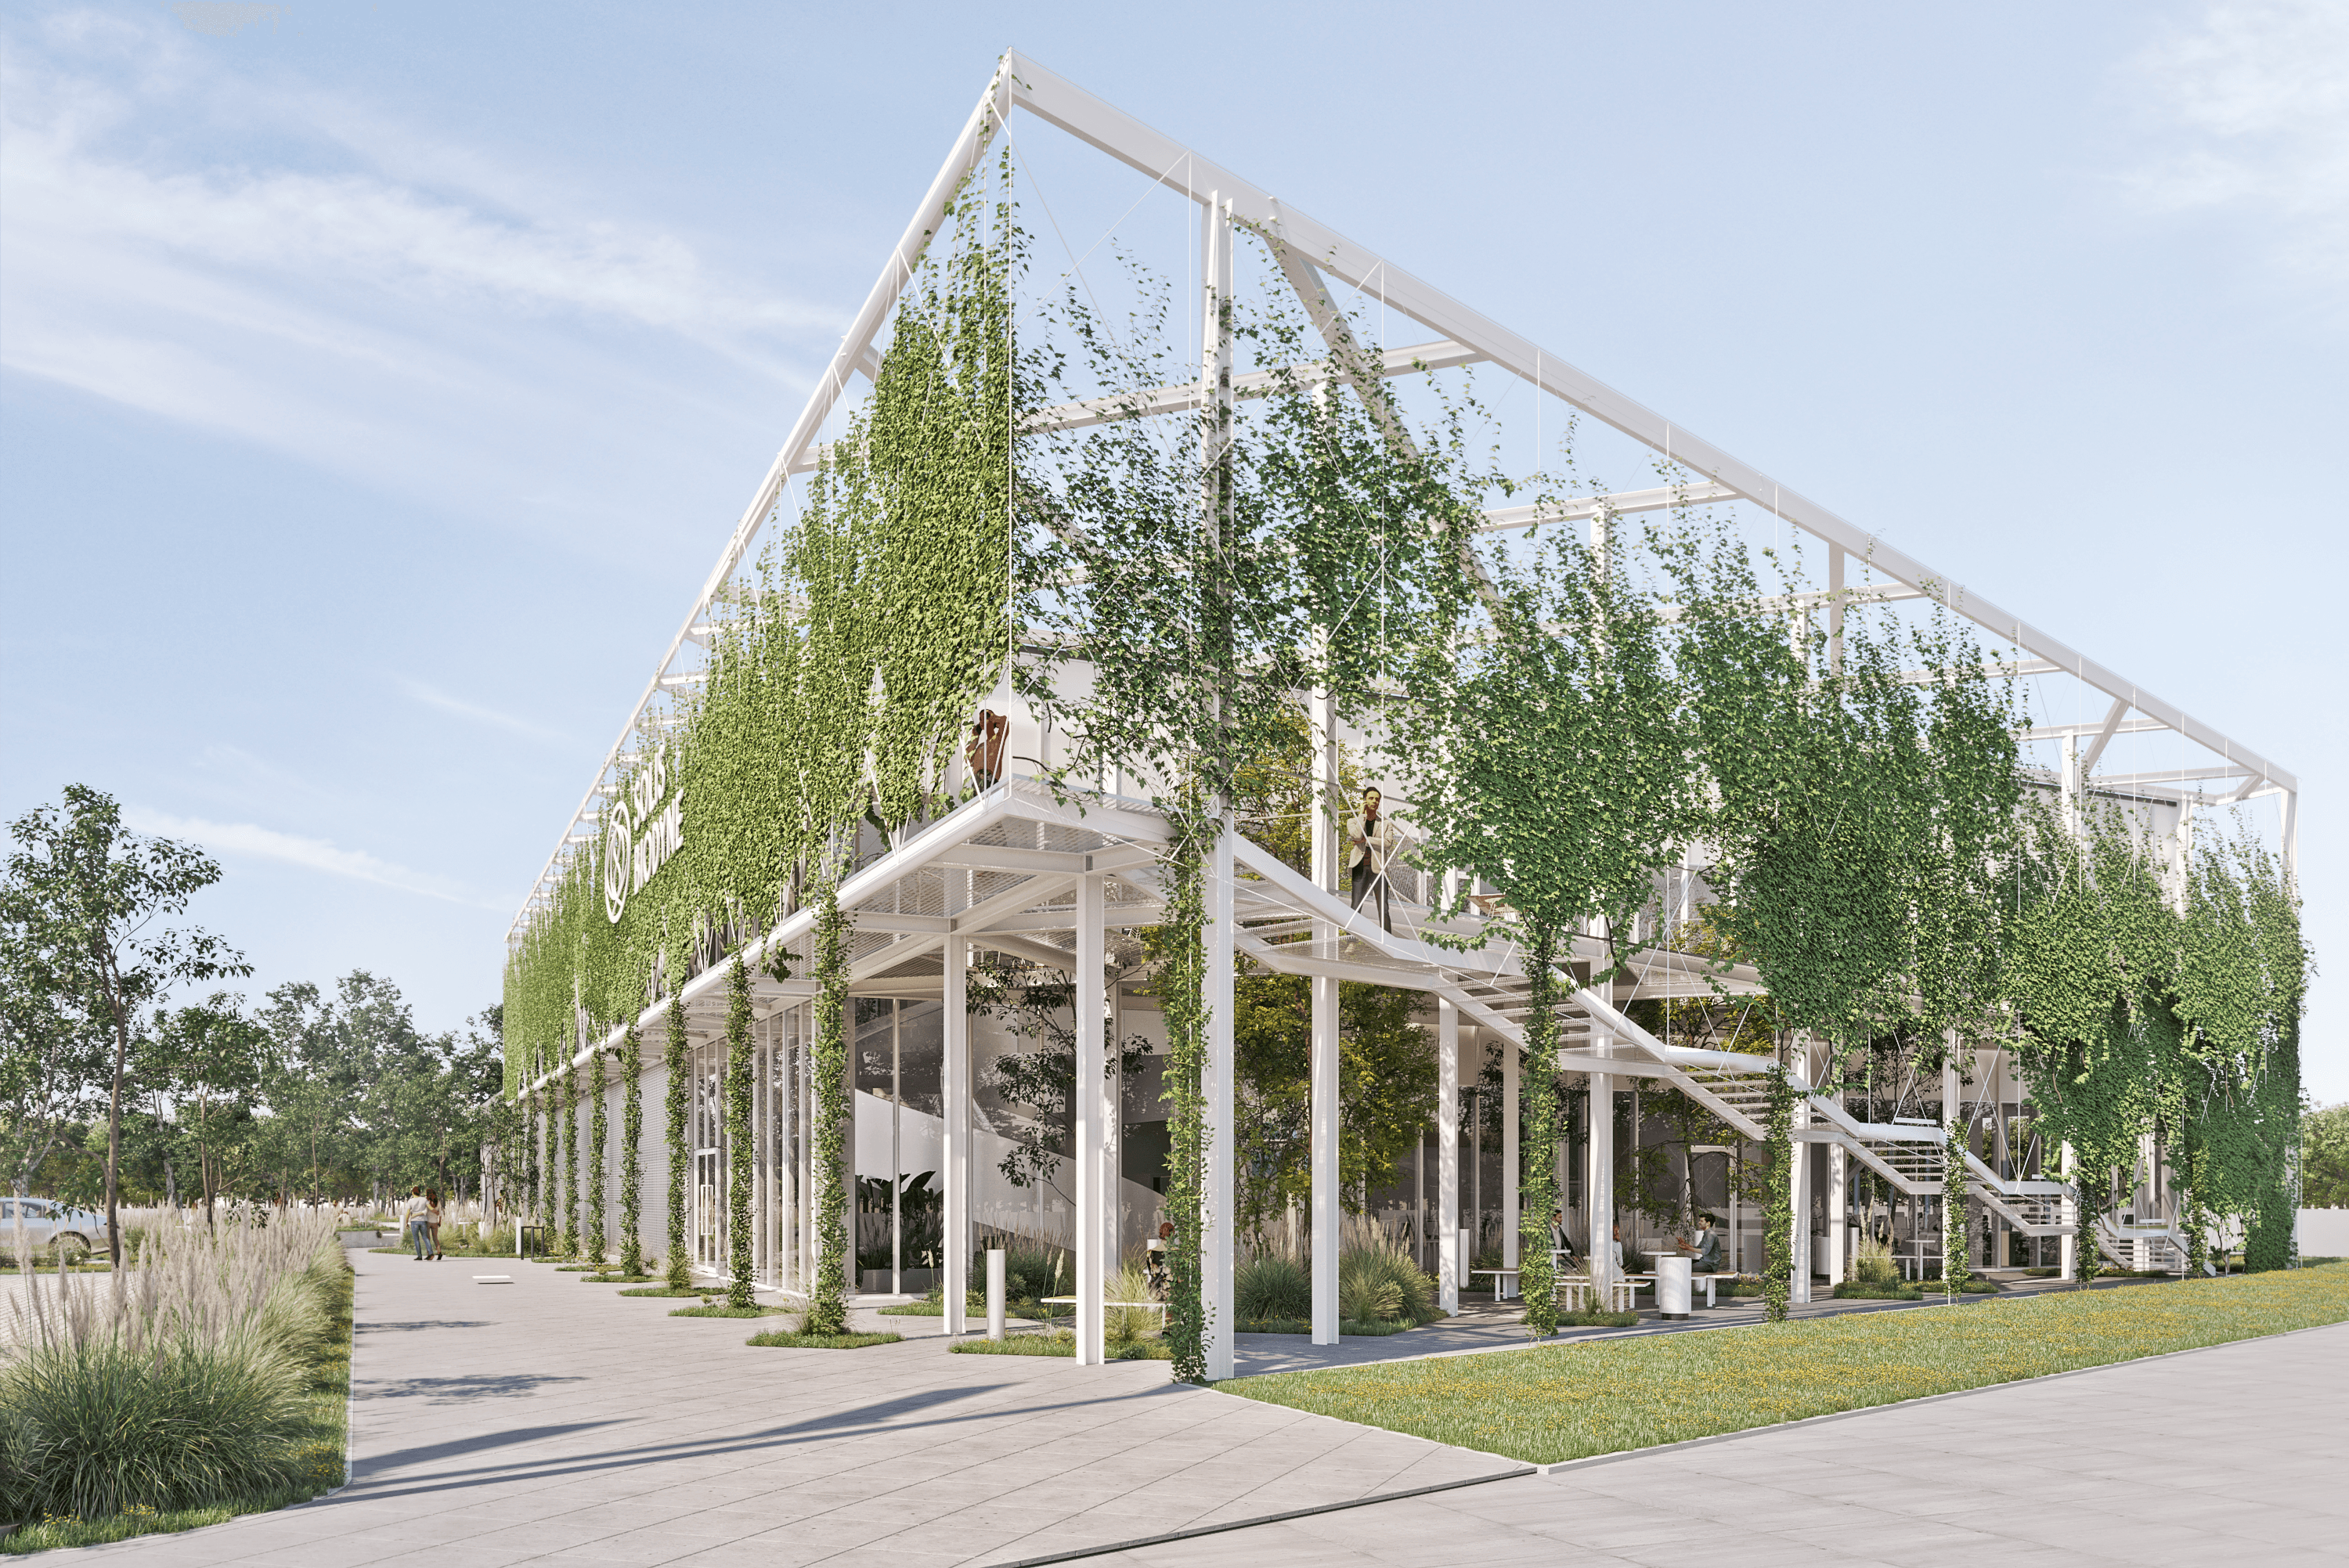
1549 762
677 1060
599 1136
1957 1262
566 1161
1180 976
1778 1208
827 1309
740 1075
841 664
632 1155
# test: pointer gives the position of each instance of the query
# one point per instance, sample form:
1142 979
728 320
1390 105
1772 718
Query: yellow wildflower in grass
1571 1400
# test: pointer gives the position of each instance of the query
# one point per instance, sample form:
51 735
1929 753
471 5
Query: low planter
784 1339
662 1290
1877 1293
1348 1328
730 1312
1591 1317
1063 1344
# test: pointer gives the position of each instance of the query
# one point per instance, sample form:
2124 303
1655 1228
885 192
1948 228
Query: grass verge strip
1550 1404
730 1311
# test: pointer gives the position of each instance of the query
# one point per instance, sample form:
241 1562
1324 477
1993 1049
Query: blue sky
377 382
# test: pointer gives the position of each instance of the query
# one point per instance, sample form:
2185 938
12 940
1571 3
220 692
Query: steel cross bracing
1310 250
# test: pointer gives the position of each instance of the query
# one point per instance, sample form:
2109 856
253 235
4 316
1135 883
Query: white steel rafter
1461 336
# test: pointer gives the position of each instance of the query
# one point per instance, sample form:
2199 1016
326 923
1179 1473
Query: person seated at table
1705 1251
1617 1245
1560 1244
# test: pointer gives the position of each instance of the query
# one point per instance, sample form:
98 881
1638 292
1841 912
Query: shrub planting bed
784 1339
217 1384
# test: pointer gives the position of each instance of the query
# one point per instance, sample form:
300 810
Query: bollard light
995 1293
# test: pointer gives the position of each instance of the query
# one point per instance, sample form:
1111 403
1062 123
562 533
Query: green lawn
1566 1402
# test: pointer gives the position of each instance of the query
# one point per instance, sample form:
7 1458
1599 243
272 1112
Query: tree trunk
114 1131
204 1162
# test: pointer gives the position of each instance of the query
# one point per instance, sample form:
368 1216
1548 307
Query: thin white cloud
433 696
266 261
312 854
2250 103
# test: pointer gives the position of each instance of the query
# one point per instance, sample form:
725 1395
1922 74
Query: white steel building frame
1017 871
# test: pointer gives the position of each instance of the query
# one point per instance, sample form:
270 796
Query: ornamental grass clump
1379 1282
1125 1325
179 1382
1871 1263
1272 1288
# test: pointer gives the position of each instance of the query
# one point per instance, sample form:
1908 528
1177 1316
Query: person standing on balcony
984 755
1369 845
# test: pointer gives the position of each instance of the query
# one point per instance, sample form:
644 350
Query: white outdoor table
1706 1280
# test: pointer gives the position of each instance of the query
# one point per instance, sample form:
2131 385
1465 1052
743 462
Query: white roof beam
2112 724
1162 159
1094 411
2167 776
1622 504
2064 731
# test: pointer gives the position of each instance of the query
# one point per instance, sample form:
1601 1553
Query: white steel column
1092 1075
1838 1206
2071 1211
1326 1205
955 1154
2288 809
1798 1244
1512 1175
1834 608
1447 1156
1953 1215
1598 1181
1326 1211
1215 1230
2070 803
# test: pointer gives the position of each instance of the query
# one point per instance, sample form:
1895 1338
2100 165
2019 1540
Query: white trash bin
1674 1288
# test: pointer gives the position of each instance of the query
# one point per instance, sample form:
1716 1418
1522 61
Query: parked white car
46 1221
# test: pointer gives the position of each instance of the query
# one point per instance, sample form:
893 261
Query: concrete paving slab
1881 1483
549 1422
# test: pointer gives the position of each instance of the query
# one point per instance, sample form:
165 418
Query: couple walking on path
420 1217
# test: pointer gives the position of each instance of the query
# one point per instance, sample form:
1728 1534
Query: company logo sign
640 834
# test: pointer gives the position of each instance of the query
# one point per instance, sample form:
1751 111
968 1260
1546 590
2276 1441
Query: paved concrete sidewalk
552 1420
2235 1454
